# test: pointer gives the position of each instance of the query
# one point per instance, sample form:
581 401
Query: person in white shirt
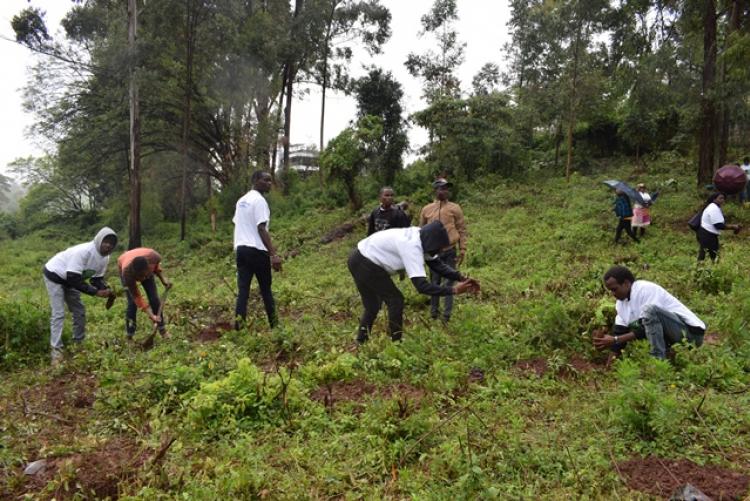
387 252
65 277
712 222
745 194
255 253
646 310
641 212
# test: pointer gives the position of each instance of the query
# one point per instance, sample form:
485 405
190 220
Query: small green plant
24 333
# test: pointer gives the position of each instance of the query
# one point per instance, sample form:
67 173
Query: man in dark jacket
390 251
387 215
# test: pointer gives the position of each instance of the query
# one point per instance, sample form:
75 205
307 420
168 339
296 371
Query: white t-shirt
746 168
712 215
82 258
250 211
395 249
644 293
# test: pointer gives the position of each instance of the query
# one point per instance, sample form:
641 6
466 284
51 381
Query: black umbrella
632 194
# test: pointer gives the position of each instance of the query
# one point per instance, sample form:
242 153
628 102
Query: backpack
695 222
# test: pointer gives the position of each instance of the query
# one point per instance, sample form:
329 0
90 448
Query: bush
25 333
245 398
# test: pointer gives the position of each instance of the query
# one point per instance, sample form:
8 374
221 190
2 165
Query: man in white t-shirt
255 254
65 277
389 251
646 310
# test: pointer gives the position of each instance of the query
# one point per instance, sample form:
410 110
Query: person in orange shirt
140 265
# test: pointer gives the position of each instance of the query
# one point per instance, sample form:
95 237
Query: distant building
304 158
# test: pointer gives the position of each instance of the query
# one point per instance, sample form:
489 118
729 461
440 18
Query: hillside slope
509 400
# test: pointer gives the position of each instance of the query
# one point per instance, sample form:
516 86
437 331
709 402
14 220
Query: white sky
482 26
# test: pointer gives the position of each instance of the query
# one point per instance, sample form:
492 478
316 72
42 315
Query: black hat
434 237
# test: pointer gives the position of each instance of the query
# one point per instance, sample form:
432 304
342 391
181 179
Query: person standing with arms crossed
452 217
255 254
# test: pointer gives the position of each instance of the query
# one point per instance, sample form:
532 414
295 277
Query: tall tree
379 95
346 21
438 68
134 172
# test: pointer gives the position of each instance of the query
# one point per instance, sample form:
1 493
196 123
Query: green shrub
25 333
245 398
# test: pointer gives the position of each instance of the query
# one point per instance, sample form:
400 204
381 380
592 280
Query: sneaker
362 336
396 336
56 357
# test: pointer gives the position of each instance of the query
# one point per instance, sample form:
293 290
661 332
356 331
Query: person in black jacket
387 215
387 252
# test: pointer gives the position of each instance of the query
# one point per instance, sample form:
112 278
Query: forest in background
159 111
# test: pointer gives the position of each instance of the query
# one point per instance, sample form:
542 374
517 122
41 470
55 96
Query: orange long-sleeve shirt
127 274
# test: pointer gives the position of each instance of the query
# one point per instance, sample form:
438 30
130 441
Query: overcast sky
482 26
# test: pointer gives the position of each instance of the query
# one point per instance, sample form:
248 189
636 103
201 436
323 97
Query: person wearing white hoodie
65 276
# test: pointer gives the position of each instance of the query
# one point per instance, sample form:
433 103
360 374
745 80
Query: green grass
538 249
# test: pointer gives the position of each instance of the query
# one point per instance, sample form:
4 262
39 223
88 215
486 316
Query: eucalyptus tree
437 69
364 22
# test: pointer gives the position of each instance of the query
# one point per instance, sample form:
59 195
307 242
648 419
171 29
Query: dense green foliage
266 413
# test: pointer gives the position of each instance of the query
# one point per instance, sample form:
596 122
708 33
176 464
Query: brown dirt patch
661 477
712 338
577 365
95 474
213 332
537 366
359 390
341 231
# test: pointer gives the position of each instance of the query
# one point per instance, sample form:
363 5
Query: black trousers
376 287
252 261
149 286
624 224
707 241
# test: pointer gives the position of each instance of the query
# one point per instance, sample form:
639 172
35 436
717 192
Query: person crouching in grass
646 311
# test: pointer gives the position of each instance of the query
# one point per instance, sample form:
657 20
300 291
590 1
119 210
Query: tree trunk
134 227
708 106
573 104
190 17
725 109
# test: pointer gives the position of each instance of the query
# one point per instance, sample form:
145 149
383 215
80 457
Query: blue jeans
664 328
449 258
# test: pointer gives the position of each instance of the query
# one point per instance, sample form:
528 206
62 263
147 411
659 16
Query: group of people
392 246
708 223
632 218
81 269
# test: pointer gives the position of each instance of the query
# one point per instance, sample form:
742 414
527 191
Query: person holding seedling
389 251
646 311
140 265
255 253
388 214
65 277
452 217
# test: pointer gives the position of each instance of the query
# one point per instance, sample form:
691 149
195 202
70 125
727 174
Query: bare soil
537 366
213 332
359 390
661 477
95 474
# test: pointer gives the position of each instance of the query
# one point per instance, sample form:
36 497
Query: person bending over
386 253
140 265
